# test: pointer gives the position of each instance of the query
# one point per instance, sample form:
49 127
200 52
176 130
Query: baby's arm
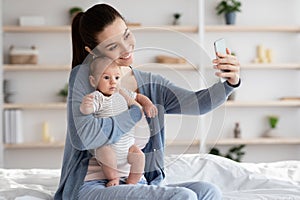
87 104
141 100
148 107
130 101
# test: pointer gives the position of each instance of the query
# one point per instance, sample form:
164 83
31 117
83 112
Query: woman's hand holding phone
228 64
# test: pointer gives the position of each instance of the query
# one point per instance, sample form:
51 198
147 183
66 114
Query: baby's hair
98 65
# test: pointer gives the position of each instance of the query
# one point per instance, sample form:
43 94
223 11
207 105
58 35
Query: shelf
162 66
179 28
45 29
9 67
285 103
36 106
195 142
279 66
237 28
230 141
266 66
257 141
237 141
35 145
36 29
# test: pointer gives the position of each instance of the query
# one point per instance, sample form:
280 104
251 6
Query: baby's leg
136 159
106 157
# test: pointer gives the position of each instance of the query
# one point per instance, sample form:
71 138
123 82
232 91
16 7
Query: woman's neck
128 80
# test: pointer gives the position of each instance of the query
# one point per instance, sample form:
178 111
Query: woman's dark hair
85 27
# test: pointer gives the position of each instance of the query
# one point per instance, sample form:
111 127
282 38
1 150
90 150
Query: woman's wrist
234 85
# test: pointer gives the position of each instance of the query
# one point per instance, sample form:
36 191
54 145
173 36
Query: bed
277 180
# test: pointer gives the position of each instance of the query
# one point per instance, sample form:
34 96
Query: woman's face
117 42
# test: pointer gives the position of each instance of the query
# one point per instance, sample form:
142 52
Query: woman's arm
87 131
176 100
179 100
182 101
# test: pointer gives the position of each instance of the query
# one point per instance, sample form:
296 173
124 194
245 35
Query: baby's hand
150 110
87 104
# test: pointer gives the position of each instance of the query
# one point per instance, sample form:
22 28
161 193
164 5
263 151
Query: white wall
257 85
263 84
35 86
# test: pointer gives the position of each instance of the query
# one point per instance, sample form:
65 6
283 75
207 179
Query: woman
97 26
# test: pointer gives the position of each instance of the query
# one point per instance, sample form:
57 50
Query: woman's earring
90 51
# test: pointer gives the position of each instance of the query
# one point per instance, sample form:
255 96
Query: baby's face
109 80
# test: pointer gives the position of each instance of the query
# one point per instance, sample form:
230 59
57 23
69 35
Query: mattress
277 180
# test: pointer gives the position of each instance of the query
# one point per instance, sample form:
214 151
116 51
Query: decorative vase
8 91
230 18
64 99
73 15
272 132
176 22
176 19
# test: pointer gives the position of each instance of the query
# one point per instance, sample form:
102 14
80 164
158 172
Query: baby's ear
92 81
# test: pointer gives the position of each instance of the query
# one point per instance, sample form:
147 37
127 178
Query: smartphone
220 47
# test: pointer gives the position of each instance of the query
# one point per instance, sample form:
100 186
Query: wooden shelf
35 145
45 29
279 66
229 141
9 67
256 141
187 29
195 142
181 28
36 29
237 141
237 28
266 66
168 66
36 106
284 103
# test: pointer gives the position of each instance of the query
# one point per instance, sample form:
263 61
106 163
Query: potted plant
235 153
74 11
64 92
229 9
176 18
272 131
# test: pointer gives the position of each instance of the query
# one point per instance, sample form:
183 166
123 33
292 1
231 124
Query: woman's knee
214 192
184 193
206 191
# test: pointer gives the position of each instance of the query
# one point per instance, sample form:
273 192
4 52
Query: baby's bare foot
113 182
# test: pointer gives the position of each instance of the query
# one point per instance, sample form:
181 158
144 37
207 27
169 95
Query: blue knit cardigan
86 132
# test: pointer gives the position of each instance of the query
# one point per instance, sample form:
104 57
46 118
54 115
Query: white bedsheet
28 184
278 181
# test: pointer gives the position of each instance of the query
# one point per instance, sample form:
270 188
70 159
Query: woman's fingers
229 67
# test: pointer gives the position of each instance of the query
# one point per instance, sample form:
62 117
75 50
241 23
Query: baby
108 100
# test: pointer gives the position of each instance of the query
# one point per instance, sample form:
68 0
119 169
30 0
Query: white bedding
278 181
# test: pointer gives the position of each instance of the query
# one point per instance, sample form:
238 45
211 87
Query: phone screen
220 46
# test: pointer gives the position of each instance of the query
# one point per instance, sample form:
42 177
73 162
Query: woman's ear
93 81
88 49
